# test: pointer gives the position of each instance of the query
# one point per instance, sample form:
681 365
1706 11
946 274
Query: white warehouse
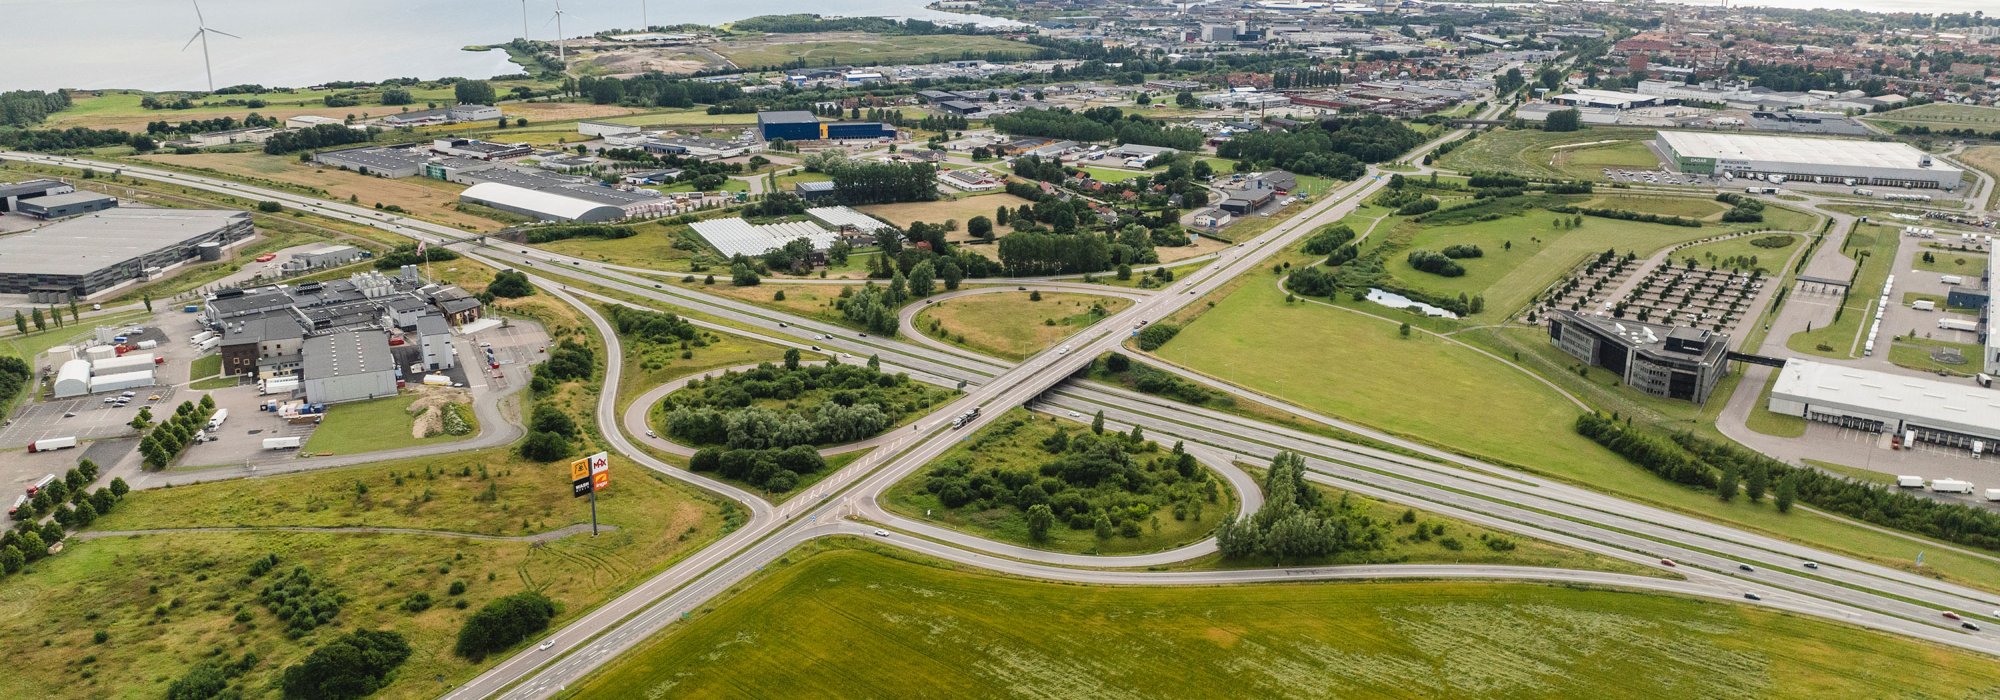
1958 414
1843 161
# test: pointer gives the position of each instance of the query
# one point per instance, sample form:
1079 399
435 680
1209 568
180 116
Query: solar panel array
738 237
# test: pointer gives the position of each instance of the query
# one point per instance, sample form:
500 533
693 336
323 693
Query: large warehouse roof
549 205
843 216
1960 407
738 237
89 243
1794 149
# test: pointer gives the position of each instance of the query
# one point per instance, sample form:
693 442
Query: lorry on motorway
1909 482
1760 190
1993 494
47 444
40 484
964 418
215 421
283 443
1951 486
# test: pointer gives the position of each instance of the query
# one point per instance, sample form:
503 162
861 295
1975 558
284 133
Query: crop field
812 300
1009 326
859 48
961 210
167 601
120 109
652 248
1943 116
1559 154
422 197
857 622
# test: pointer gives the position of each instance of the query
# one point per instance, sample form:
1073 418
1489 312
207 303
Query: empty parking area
83 417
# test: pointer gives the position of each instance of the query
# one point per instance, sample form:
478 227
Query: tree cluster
1295 522
14 371
24 107
1435 263
1153 336
503 623
165 442
563 232
1629 215
406 254
884 183
1334 148
1111 482
510 284
301 601
776 470
317 136
351 666
846 403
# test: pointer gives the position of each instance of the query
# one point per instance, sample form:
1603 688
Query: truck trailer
283 443
1910 482
1958 324
47 444
215 421
1951 486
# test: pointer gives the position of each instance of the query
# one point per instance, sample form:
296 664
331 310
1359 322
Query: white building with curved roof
541 204
72 379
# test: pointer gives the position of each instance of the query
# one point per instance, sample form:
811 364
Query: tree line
317 136
1296 522
854 402
24 107
1096 124
1336 148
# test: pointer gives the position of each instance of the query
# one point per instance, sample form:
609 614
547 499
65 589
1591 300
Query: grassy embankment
1009 325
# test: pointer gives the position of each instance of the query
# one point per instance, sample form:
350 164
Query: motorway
1843 589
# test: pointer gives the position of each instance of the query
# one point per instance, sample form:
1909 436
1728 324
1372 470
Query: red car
1949 615
267 257
1668 562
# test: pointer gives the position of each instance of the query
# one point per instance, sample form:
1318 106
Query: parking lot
240 439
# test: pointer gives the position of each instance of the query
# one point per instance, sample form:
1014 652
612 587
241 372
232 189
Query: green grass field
1764 420
168 601
1915 353
1875 246
1740 253
1985 158
1559 154
653 248
371 426
1690 207
1939 300
1007 325
1951 264
205 366
847 48
1939 115
648 364
862 623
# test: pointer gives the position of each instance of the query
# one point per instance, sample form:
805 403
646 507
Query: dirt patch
435 200
670 60
429 408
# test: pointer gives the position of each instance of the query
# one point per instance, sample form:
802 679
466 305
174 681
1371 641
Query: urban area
1067 348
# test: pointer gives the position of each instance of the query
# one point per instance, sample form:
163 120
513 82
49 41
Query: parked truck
19 503
201 337
47 444
1910 482
1952 280
208 345
283 443
1958 324
1924 305
40 484
215 421
1951 486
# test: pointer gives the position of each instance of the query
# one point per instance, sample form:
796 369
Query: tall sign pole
586 477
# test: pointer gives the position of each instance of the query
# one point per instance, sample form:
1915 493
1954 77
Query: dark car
1745 567
1752 596
1969 626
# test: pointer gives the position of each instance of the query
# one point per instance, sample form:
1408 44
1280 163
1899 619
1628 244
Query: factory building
80 257
1878 163
63 206
1606 99
434 338
803 126
1956 414
543 205
12 194
350 366
1674 362
376 160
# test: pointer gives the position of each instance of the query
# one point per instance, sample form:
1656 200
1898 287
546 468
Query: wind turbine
643 19
201 34
561 55
524 20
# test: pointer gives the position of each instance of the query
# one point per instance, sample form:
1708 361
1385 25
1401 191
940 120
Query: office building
1669 361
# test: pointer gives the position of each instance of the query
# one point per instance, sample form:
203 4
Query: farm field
422 197
859 48
813 300
1943 116
166 601
1985 158
961 210
120 109
1010 326
1558 154
930 627
652 248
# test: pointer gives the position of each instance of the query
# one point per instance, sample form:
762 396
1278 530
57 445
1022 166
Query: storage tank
72 379
100 352
121 382
131 362
209 252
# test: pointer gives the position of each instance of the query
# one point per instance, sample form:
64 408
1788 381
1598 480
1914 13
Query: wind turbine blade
227 34
552 20
197 13
196 37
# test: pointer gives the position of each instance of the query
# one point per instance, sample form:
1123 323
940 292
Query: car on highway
1020 289
1969 626
1752 596
1745 567
864 335
1812 565
814 347
544 646
782 324
1668 562
881 533
1949 615
650 434
1074 414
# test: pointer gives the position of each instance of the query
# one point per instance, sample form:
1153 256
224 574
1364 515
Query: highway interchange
1708 556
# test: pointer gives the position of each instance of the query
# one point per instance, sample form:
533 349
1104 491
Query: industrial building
1878 163
13 193
1606 99
376 160
541 204
350 366
1956 414
444 115
323 257
81 257
804 126
434 339
845 218
479 150
733 237
700 148
264 331
63 206
1669 361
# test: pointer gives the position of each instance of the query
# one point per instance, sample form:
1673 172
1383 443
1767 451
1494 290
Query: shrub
503 623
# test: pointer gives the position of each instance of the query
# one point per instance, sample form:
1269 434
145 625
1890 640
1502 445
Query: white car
1074 414
881 533
650 434
544 646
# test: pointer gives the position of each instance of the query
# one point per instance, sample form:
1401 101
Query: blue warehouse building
804 126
